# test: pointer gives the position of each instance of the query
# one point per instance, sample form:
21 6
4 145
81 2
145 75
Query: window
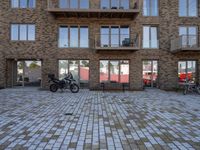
115 4
75 4
73 36
188 36
78 68
188 8
23 32
114 71
150 8
23 3
150 37
114 36
187 71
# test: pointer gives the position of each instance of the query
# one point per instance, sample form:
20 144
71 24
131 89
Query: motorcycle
65 83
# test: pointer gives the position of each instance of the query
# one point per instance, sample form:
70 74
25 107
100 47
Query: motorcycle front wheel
53 88
74 88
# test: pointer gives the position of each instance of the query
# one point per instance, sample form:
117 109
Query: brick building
153 43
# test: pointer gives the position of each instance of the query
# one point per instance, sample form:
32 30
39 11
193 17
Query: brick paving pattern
151 119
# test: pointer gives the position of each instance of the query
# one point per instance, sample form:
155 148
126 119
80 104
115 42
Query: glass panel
23 3
114 4
154 39
182 71
104 71
14 32
31 32
84 71
182 7
105 4
23 32
192 37
32 3
63 4
63 68
191 71
20 69
73 68
124 71
114 36
74 37
84 37
104 36
146 34
84 4
192 7
154 9
32 73
146 8
124 4
155 73
124 36
114 71
63 37
147 73
183 33
15 3
73 3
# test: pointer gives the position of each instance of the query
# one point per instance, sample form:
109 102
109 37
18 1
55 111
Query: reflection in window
84 37
23 3
23 32
73 3
73 36
114 71
63 4
150 8
188 8
63 68
150 39
114 36
84 4
115 4
187 71
63 37
84 71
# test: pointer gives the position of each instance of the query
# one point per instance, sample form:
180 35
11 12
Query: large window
23 3
115 4
150 37
74 4
73 36
188 36
114 36
187 71
150 8
188 8
114 71
22 32
78 68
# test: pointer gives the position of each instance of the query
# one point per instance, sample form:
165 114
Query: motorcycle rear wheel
53 88
74 88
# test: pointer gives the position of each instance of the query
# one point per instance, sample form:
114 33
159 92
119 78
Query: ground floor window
187 71
114 71
78 68
150 73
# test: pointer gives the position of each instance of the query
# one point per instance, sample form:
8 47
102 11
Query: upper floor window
73 36
23 3
187 8
114 36
150 8
22 32
150 37
82 4
115 4
188 36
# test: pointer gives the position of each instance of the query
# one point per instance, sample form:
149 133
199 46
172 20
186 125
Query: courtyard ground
150 119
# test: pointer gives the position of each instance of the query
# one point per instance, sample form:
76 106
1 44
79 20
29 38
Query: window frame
79 6
68 28
110 4
27 5
187 9
27 32
150 9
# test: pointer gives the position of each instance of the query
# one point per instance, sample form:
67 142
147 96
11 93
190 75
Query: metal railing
150 44
56 4
117 41
184 41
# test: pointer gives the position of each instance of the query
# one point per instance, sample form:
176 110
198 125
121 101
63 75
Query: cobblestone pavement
152 119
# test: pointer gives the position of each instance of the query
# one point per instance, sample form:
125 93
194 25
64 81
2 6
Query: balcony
104 12
185 43
116 42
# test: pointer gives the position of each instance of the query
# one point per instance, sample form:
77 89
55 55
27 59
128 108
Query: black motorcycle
67 82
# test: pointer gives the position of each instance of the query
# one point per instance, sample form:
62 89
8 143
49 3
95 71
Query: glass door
150 73
74 69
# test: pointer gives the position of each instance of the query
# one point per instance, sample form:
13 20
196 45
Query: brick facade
45 47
